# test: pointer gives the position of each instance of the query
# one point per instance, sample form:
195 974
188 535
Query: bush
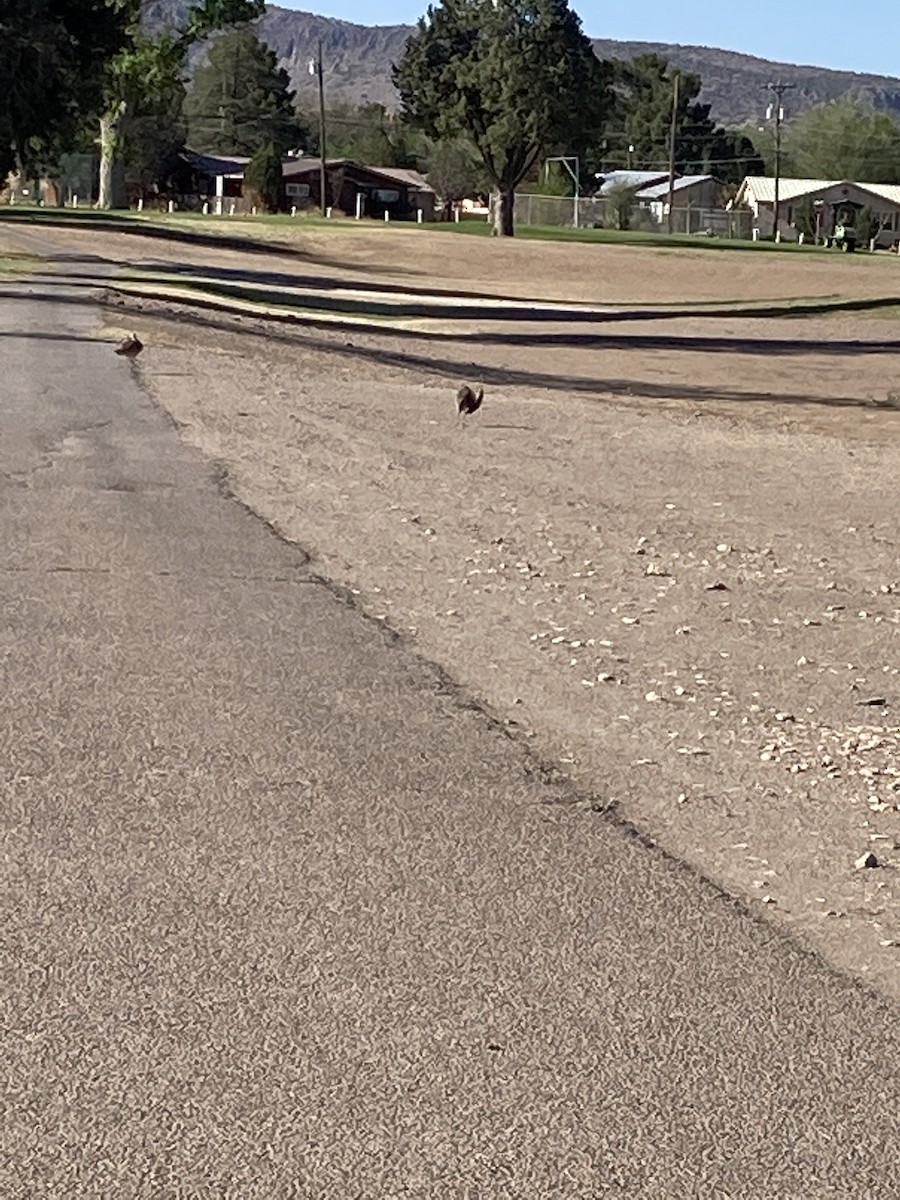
805 217
263 178
620 203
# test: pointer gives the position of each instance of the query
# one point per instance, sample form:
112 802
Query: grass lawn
280 226
14 262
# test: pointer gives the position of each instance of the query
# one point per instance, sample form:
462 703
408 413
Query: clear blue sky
826 34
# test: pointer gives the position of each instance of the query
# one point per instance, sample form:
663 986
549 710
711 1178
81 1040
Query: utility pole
778 89
672 131
315 68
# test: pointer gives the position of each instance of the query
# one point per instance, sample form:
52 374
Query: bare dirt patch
669 556
598 273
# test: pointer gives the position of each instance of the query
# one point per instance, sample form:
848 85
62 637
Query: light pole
315 68
778 89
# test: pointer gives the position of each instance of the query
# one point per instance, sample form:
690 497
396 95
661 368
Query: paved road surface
283 917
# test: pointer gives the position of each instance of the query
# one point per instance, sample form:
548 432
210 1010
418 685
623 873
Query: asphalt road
283 916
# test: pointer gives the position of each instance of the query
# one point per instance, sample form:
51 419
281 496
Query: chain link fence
594 212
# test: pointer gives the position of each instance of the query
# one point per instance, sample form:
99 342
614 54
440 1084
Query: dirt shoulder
670 560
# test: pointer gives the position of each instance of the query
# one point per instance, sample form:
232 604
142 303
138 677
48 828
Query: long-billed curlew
468 400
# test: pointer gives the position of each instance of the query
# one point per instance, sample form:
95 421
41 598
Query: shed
690 191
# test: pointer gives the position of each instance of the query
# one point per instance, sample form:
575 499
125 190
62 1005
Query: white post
456 211
74 200
171 206
328 212
420 217
220 193
231 209
387 215
359 204
140 204
252 210
293 210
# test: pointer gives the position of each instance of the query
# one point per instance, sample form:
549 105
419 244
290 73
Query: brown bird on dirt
467 400
130 347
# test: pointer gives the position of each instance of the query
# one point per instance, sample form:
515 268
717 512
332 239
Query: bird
130 347
467 400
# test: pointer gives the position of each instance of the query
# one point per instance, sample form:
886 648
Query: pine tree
264 177
641 121
240 100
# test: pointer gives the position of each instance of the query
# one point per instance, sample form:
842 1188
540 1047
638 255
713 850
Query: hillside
358 62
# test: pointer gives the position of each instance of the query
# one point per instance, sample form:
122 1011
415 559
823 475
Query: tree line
488 89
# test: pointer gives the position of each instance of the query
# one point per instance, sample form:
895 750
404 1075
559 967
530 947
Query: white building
632 179
830 199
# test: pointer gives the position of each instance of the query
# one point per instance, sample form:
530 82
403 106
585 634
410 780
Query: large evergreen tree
517 77
241 99
52 57
143 74
641 121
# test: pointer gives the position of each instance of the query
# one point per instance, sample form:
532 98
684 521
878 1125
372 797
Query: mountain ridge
358 61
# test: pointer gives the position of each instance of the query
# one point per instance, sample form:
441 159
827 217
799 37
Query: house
832 201
352 189
359 191
215 179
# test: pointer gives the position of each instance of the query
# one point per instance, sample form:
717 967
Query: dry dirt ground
667 553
